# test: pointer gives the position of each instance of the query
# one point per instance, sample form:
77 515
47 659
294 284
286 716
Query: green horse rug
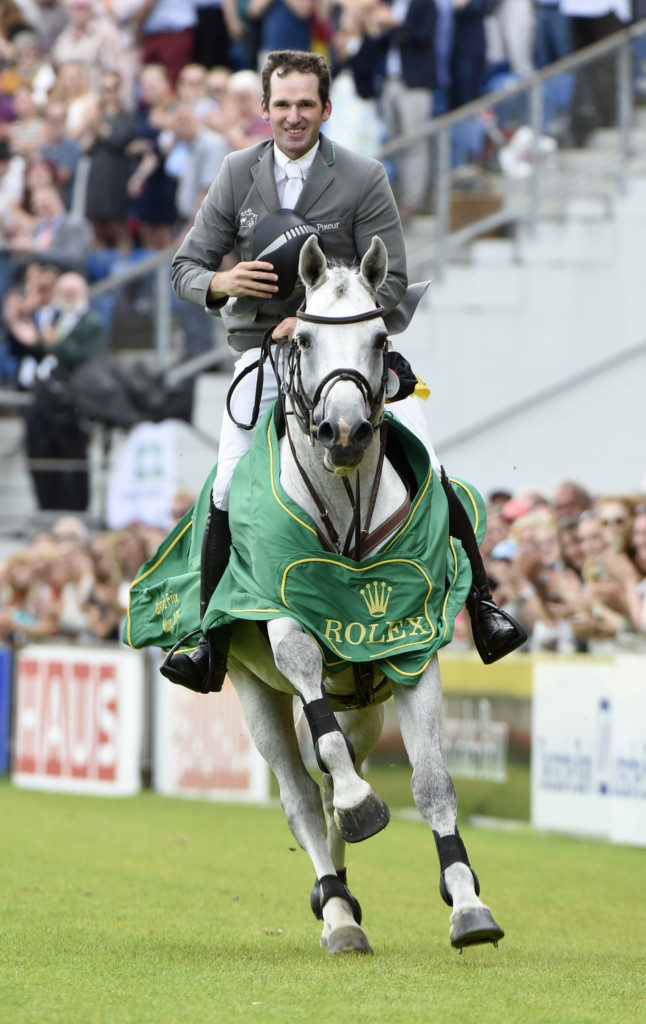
394 609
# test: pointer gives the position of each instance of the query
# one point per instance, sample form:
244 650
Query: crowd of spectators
115 116
70 585
571 568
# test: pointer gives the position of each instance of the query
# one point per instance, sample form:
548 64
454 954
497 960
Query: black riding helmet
278 239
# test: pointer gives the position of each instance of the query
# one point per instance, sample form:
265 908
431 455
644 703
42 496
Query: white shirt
596 8
280 163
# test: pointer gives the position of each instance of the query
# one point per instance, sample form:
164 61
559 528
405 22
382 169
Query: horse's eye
381 340
302 340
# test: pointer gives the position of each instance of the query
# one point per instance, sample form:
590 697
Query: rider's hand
285 328
255 278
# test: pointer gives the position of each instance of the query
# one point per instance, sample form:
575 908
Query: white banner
202 746
144 477
78 720
629 753
589 748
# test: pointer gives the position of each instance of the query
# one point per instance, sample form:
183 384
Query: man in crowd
397 56
58 148
54 430
91 38
202 153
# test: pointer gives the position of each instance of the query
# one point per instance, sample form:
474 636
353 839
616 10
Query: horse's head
337 384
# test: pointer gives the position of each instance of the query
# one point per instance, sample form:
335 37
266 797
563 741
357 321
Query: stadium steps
532 321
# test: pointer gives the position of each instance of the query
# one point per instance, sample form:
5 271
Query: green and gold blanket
395 608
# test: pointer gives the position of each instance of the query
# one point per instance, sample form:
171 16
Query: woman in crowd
73 89
26 610
149 187
107 201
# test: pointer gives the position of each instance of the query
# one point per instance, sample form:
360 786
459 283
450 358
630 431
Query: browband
312 318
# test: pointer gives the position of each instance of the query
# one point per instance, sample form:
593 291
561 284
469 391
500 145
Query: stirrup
496 633
180 668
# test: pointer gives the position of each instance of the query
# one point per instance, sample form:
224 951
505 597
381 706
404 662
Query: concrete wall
493 334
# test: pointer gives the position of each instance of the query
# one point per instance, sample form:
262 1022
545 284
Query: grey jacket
345 194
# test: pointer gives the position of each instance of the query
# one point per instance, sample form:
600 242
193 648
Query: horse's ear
374 265
311 263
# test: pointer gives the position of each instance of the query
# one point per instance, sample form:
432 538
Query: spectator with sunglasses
616 517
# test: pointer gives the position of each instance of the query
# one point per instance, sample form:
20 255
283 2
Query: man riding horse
347 199
341 545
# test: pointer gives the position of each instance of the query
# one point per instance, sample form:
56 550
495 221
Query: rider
348 199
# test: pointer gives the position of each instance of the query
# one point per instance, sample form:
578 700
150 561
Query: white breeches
234 441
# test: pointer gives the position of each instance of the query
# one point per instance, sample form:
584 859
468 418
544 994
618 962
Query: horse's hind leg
419 709
270 721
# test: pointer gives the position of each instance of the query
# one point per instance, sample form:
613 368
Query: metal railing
519 204
524 207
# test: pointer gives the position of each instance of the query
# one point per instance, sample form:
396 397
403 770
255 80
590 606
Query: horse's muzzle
355 438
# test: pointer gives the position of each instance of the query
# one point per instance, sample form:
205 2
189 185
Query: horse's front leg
363 729
358 812
419 709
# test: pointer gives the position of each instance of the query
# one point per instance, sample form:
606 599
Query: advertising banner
144 477
78 719
589 748
202 746
6 666
628 823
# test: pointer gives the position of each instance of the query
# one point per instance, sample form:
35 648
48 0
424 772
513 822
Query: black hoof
473 926
350 939
365 820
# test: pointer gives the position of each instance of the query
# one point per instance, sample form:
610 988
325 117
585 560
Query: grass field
475 796
499 800
157 910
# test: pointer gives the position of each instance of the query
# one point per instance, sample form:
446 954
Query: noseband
303 405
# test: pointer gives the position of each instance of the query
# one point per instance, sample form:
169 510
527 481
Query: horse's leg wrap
451 850
322 720
333 885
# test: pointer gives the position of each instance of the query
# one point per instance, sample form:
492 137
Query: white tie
293 185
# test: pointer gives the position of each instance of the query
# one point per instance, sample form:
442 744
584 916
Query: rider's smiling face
295 112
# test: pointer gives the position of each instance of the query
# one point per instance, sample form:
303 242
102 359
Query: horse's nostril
362 435
326 434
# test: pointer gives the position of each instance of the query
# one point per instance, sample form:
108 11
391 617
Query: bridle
304 406
289 353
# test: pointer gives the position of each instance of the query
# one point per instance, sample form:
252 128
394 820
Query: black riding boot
205 668
495 632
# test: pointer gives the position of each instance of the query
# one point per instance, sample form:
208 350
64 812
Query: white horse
338 411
